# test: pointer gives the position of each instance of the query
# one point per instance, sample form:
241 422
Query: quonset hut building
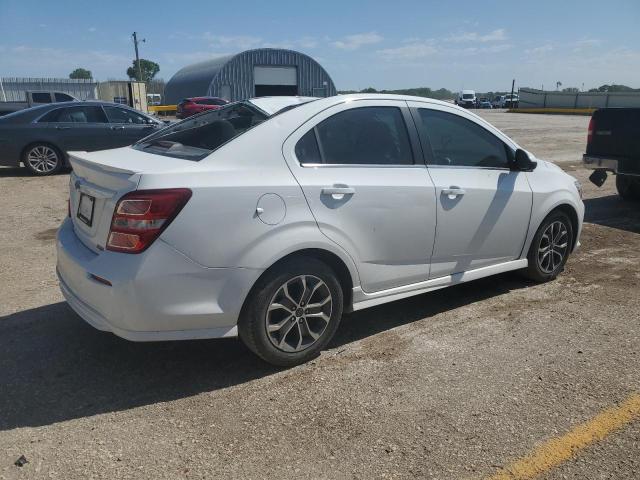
253 73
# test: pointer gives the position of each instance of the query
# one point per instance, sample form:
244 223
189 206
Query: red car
193 105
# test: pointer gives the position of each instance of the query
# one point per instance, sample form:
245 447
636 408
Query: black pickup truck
613 145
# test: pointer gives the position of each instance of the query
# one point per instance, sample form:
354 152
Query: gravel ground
451 384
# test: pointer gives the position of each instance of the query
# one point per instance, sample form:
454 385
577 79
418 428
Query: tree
148 70
81 73
369 90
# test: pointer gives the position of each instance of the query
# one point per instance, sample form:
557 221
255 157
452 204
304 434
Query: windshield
467 95
198 136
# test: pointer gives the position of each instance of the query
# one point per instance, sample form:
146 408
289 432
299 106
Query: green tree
369 90
148 70
80 73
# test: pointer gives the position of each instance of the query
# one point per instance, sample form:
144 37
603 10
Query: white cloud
498 35
585 44
419 49
25 60
234 42
539 51
353 42
92 29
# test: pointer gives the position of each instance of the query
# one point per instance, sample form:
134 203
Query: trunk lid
103 178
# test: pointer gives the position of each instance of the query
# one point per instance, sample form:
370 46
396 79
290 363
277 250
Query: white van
466 99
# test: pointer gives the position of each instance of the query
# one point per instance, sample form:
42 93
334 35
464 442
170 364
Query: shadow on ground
54 367
612 211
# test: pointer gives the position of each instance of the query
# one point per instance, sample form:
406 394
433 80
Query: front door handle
338 191
453 192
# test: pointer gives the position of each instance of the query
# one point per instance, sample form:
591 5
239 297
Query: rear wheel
292 312
550 247
628 187
42 159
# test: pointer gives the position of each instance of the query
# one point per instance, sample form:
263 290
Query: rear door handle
453 192
338 191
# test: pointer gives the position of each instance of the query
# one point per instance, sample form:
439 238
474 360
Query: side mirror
522 162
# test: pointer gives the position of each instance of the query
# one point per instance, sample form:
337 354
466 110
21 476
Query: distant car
613 145
191 106
484 103
466 99
35 98
511 101
39 137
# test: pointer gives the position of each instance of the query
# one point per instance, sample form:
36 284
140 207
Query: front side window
75 115
457 141
360 136
122 115
198 136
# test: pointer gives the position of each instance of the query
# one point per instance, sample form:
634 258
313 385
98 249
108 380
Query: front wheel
628 187
550 247
292 312
42 159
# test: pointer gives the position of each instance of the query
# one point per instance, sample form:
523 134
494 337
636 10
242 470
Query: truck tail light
141 216
592 127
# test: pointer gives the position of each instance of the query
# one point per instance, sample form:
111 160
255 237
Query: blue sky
471 44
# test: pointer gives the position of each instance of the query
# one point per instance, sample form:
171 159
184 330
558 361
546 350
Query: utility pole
135 44
513 84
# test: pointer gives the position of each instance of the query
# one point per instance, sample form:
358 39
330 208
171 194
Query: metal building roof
235 73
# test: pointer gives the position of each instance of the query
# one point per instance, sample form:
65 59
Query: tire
42 159
628 187
550 247
297 333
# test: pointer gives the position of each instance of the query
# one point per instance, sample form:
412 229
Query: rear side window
197 137
456 141
63 97
75 115
122 115
211 101
41 97
360 136
307 149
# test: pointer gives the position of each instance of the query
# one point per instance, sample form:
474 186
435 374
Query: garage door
275 76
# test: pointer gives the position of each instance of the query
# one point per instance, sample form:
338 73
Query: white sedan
269 218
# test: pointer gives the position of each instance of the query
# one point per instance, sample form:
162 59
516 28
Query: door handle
453 192
117 128
59 127
338 191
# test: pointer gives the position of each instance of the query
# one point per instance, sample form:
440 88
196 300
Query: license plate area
86 207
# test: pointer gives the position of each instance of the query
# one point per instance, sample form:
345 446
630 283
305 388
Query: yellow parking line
557 450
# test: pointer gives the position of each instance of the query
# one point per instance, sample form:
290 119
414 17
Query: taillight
592 127
141 216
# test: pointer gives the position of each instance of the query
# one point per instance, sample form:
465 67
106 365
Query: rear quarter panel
220 227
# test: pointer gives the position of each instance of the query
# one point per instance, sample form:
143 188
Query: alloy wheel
553 246
299 313
42 159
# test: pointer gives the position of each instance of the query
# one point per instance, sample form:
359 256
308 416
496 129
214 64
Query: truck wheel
550 248
628 187
292 312
42 159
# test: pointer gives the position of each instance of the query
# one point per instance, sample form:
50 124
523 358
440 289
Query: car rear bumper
159 294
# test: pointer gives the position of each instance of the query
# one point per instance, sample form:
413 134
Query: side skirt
362 299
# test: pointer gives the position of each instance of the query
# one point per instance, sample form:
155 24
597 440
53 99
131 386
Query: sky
479 45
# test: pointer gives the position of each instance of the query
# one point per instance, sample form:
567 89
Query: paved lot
453 384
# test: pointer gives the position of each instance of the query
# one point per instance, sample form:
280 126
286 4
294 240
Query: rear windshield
198 136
